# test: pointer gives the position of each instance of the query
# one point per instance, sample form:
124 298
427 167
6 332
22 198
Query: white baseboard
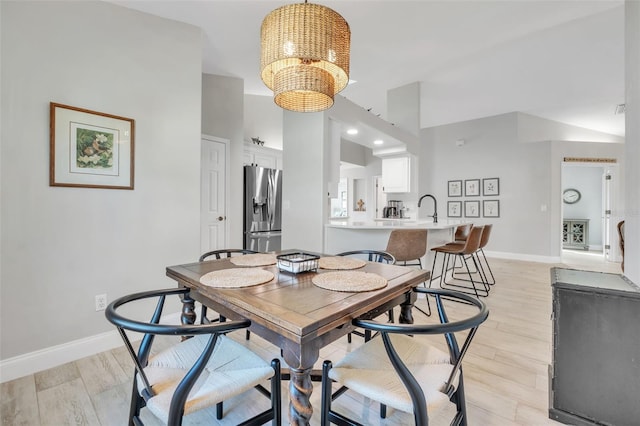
33 362
523 257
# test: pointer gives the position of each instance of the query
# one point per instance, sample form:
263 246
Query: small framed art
491 208
472 187
454 208
455 188
90 149
472 209
491 186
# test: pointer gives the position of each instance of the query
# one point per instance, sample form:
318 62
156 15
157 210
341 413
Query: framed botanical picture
472 209
472 187
491 208
455 188
491 186
454 208
90 149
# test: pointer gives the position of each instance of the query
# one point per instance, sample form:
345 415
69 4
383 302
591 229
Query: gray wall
305 205
263 119
61 246
222 116
632 147
529 172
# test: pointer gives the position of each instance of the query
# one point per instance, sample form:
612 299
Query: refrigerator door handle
271 199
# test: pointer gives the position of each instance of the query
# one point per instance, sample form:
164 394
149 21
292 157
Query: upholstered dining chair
195 374
409 245
371 256
621 241
401 368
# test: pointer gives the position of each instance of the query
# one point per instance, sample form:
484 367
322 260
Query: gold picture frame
90 149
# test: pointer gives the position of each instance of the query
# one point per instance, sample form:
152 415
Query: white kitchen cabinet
396 174
262 156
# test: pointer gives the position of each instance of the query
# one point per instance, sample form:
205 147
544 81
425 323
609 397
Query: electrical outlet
101 302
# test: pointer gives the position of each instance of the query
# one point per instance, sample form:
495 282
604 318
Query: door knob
221 218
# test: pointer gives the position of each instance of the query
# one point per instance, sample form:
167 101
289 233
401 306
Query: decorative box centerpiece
298 262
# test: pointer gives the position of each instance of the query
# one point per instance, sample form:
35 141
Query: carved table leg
188 310
406 317
300 388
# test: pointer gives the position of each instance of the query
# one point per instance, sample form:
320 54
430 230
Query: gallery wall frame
472 208
490 187
90 149
472 187
454 208
454 188
490 208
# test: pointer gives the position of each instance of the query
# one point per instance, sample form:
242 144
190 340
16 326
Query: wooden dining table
296 315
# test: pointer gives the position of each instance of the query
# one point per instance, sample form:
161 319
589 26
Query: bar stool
462 232
409 245
484 240
464 252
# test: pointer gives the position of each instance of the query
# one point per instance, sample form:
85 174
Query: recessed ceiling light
378 142
352 131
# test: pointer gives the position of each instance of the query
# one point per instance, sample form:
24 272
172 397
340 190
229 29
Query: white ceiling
562 60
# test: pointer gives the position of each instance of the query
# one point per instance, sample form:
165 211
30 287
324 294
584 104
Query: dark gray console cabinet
595 372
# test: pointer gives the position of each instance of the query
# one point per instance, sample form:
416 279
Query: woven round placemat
349 281
236 277
340 262
256 259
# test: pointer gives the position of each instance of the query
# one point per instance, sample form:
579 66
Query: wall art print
90 149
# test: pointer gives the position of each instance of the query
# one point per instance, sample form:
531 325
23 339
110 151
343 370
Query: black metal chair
196 373
219 254
371 256
400 369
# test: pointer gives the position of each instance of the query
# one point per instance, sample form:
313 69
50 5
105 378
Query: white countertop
394 224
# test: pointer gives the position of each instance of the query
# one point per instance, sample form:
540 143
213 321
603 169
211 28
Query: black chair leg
326 394
137 402
493 279
276 393
219 410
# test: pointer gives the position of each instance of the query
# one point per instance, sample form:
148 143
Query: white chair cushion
368 371
232 370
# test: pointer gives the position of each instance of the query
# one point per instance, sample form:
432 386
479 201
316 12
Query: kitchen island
346 235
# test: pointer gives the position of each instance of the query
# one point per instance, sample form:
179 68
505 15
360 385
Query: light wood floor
506 369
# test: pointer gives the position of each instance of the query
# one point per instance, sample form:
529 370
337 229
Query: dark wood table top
299 317
291 304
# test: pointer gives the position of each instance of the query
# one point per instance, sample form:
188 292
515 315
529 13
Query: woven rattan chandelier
305 56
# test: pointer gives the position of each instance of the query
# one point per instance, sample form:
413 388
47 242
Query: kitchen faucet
435 206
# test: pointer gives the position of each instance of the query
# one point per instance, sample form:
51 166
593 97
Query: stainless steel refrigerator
262 208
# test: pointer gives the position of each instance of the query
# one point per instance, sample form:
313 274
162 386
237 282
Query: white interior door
612 213
213 195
